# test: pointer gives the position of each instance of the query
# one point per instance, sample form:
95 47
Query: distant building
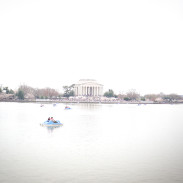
88 87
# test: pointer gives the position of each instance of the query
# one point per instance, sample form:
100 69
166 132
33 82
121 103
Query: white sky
122 44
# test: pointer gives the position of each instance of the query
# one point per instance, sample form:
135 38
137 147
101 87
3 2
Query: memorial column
77 90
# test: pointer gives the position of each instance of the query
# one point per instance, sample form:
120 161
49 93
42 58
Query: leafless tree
151 97
133 95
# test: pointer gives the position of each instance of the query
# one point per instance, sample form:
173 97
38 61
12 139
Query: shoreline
91 102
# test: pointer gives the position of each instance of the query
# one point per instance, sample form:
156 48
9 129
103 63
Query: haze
122 44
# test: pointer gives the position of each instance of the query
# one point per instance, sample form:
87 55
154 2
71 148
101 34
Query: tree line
27 92
132 95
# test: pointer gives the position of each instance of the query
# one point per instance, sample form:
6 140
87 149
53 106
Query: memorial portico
88 87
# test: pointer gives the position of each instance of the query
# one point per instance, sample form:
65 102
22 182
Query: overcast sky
125 44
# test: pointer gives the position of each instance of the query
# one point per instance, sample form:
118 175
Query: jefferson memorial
88 87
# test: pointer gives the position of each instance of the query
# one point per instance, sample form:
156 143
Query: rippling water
97 143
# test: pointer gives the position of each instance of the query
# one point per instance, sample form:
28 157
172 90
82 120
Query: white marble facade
88 87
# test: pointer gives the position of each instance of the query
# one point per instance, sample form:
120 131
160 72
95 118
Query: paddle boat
66 107
51 123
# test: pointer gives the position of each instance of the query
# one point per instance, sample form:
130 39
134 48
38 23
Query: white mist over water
97 143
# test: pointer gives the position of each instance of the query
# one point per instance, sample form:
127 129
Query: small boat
51 123
67 107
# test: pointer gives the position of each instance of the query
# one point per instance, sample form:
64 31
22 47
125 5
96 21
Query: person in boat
53 120
48 119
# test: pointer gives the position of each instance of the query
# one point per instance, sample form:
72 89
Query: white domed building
88 87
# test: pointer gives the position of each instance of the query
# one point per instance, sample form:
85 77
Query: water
97 143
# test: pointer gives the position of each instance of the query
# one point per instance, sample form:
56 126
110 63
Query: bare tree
46 93
151 97
27 90
133 95
121 96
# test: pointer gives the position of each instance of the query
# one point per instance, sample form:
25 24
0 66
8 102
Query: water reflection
51 128
89 106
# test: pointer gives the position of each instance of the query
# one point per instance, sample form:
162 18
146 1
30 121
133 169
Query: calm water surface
97 143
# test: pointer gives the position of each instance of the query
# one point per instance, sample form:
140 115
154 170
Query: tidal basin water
98 143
